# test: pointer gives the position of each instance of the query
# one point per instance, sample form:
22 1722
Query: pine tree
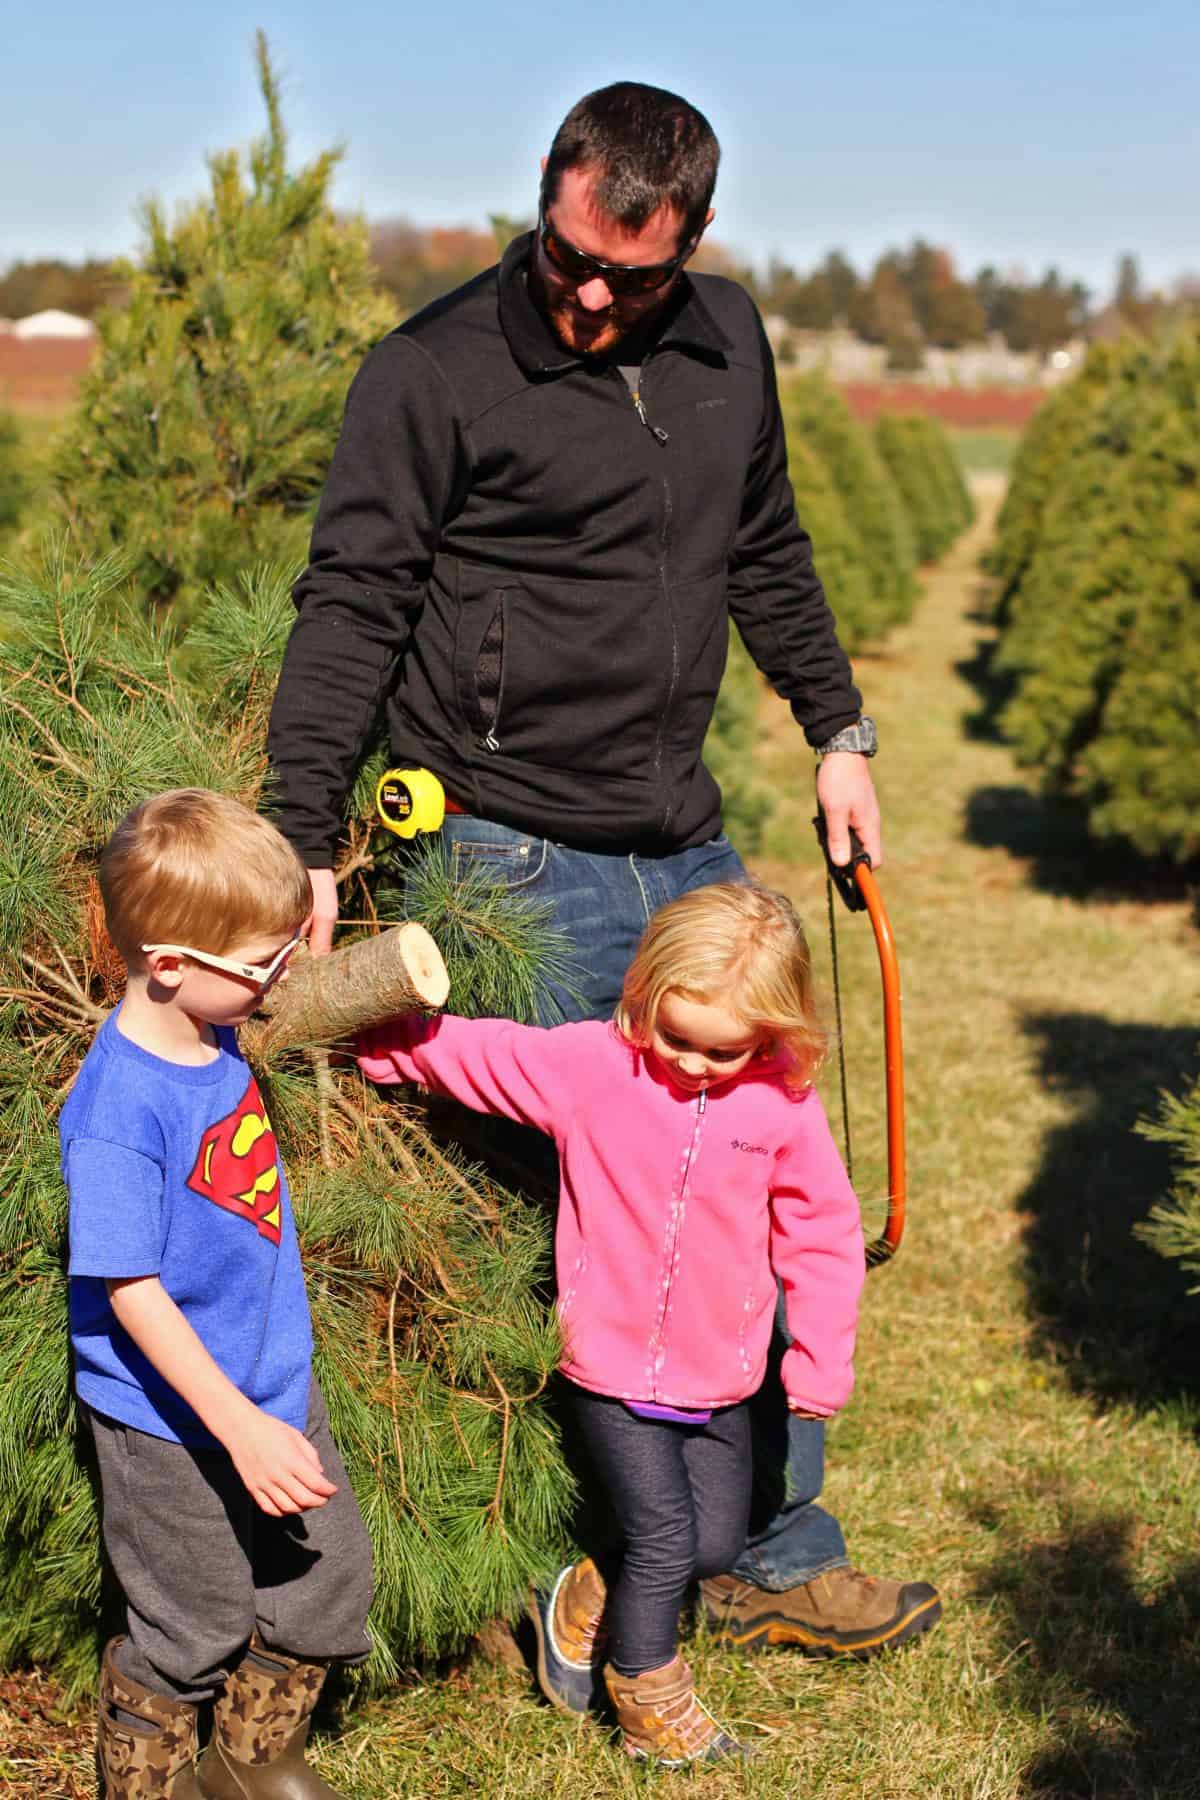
431 1344
917 452
13 485
817 416
837 547
208 417
1173 1227
1102 568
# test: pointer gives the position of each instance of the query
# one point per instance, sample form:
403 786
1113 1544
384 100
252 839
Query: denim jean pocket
507 859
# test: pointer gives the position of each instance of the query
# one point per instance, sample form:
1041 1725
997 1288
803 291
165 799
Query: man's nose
594 295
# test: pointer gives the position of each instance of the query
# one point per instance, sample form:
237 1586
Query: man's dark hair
648 148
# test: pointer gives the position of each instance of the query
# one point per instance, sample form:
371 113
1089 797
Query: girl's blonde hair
740 947
200 869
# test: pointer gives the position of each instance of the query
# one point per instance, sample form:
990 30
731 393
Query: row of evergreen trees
878 502
1098 554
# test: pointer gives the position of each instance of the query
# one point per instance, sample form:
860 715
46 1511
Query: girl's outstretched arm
522 1072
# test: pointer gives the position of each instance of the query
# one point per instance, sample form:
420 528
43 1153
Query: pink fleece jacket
677 1211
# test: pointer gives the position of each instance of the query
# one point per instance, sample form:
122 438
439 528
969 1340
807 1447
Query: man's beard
587 334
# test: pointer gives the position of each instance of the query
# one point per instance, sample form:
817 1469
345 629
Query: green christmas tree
918 455
208 417
817 417
431 1344
1102 569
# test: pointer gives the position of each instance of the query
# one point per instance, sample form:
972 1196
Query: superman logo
237 1164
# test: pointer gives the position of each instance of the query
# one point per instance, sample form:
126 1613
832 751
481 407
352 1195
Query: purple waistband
675 1415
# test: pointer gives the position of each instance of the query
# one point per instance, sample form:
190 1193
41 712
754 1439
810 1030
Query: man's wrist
860 738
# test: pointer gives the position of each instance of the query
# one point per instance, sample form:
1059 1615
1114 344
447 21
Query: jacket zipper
660 742
661 1327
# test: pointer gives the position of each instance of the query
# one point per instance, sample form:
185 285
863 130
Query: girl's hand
280 1468
798 1412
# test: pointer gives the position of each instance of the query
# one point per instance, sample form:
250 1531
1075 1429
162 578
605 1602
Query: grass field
1024 1429
987 452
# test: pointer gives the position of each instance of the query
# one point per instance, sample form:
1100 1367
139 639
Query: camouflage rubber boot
154 1759
260 1728
661 1718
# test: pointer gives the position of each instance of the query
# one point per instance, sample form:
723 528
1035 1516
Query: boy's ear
164 969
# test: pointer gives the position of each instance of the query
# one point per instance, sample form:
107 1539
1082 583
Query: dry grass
1024 1427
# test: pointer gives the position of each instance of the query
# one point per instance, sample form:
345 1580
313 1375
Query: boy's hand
279 1466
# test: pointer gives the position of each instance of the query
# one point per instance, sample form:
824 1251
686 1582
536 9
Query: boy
228 1518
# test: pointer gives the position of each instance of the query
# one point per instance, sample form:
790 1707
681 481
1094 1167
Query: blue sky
1066 131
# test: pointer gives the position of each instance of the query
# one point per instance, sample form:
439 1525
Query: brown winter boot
840 1613
661 1718
260 1728
153 1760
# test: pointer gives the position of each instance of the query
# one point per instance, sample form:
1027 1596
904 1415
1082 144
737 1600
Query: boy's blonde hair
740 947
199 869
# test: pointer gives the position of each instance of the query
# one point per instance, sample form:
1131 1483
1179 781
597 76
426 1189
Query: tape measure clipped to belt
410 800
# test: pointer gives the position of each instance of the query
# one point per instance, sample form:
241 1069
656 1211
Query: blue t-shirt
173 1171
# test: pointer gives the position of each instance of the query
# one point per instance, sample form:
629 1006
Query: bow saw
855 883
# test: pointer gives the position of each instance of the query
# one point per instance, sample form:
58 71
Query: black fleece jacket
536 574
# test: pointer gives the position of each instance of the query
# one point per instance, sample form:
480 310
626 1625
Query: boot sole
549 1693
776 1631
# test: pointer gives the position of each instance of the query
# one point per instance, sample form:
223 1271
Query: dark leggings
681 1494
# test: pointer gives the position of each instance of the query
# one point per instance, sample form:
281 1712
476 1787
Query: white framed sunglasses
260 973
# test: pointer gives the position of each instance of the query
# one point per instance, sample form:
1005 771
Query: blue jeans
603 903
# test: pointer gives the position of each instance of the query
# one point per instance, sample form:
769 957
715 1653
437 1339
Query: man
552 490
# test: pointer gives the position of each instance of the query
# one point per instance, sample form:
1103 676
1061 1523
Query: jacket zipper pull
491 741
703 1101
656 431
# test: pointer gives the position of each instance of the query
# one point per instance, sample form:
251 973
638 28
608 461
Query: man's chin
584 337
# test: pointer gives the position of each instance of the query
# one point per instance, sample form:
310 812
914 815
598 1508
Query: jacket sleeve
490 1065
396 475
817 1253
775 594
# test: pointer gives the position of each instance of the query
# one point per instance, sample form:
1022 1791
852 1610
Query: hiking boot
260 1728
568 1618
661 1718
153 1759
840 1613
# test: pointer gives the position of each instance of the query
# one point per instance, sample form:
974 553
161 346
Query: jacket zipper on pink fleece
658 1349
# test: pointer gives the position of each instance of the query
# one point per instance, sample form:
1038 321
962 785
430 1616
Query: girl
698 1172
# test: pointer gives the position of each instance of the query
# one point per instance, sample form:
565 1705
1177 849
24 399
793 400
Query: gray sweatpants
201 1566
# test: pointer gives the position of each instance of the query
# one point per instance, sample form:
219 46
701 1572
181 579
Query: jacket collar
688 326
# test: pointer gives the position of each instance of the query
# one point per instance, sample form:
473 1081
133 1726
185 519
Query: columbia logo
754 1149
701 404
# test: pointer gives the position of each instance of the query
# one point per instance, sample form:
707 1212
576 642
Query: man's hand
280 1468
846 795
325 909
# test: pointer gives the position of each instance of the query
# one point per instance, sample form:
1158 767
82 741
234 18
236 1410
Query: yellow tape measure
410 800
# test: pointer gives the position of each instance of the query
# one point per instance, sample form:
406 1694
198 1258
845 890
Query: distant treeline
911 299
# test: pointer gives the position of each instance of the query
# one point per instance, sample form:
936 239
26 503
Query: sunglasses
228 965
618 278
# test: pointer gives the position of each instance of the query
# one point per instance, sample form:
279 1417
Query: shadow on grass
1050 835
993 687
1112 1673
1111 1310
